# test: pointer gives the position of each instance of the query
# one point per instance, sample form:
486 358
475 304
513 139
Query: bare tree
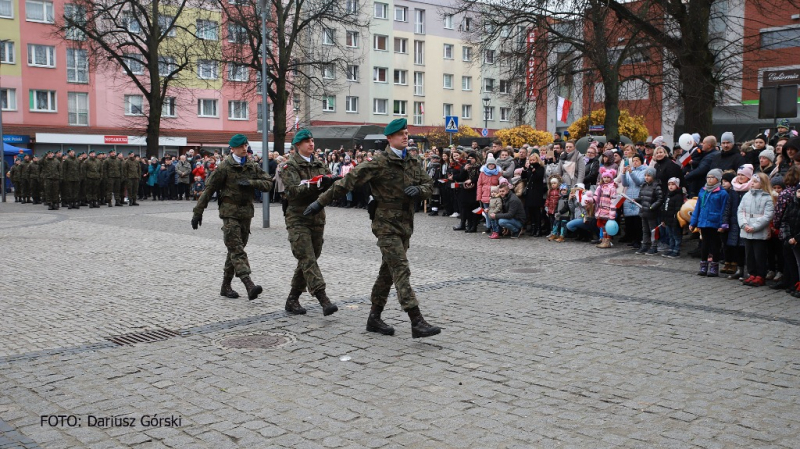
310 45
152 43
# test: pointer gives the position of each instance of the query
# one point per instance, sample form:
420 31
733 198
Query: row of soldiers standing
89 179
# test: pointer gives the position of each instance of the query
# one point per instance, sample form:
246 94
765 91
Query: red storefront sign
115 140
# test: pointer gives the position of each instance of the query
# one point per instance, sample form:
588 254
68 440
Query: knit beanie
696 138
717 173
677 181
491 160
727 137
769 154
728 176
650 171
746 169
794 142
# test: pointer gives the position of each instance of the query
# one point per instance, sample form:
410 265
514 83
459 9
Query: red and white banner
563 109
686 159
531 79
118 140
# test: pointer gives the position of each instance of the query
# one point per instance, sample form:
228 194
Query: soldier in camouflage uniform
51 171
397 180
131 174
305 232
82 200
112 172
24 179
14 175
101 185
35 181
93 170
235 181
71 174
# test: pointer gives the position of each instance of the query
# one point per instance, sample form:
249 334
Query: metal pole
3 160
265 196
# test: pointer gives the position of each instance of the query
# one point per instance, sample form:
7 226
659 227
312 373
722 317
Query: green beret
394 126
237 141
91 151
302 135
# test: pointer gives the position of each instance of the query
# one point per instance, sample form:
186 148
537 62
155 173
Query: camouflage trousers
36 189
394 270
72 190
132 187
52 189
235 233
306 242
113 187
92 187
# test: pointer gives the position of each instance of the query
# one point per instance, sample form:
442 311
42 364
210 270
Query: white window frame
486 82
352 73
419 21
419 84
403 44
49 54
447 51
131 23
203 104
400 107
329 71
166 21
237 34
76 13
238 72
505 87
129 105
466 83
44 7
77 66
488 57
73 109
134 62
168 108
380 10
351 6
235 109
205 64
8 52
329 103
505 114
466 53
466 111
166 66
328 36
10 7
10 97
419 108
376 74
401 77
445 78
419 52
378 38
207 30
52 101
447 109
351 104
490 113
376 109
448 21
353 39
403 13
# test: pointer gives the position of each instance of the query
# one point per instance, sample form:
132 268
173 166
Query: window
168 107
6 52
400 107
166 66
207 29
489 112
351 6
238 72
419 52
401 77
381 10
43 101
632 56
466 83
134 105
379 74
328 36
400 14
419 109
448 21
39 11
447 109
352 73
165 23
329 103
419 83
237 34
466 111
379 106
400 45
505 114
77 66
41 55
259 115
7 9
467 24
381 42
78 107
328 71
134 63
447 81
488 85
488 57
207 107
131 23
448 51
774 39
634 89
237 110
206 70
76 15
8 99
352 39
505 86
351 104
466 53
419 21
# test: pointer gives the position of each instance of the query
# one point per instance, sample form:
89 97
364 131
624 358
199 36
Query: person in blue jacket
707 216
152 178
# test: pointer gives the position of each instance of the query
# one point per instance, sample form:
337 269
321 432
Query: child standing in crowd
650 200
561 215
489 177
605 206
495 207
581 205
632 180
734 243
754 215
707 216
551 203
198 187
673 201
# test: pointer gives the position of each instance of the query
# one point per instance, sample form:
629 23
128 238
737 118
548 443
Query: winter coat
672 205
710 208
667 168
512 208
785 197
592 171
571 162
756 210
790 224
506 166
485 183
697 177
605 201
534 188
726 160
633 182
152 174
92 168
650 198
576 209
164 180
199 171
562 208
730 221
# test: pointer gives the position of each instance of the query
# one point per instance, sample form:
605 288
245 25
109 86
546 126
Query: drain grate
143 337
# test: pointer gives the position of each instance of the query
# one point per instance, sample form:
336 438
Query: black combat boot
134 203
76 205
226 290
328 308
109 204
83 203
293 303
376 324
51 207
419 327
253 290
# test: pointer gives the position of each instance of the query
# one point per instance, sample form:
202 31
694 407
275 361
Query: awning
100 139
741 120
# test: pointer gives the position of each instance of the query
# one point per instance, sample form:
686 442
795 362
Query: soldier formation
69 180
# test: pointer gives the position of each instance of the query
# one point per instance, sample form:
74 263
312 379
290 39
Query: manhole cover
640 262
525 270
256 341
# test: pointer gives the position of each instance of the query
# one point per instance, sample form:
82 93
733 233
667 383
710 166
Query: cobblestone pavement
545 344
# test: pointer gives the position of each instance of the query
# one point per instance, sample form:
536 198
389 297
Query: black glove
327 182
313 209
197 220
411 191
244 183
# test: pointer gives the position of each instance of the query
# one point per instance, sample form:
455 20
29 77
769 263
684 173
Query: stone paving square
544 344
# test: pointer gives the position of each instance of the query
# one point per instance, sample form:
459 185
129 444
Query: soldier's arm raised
362 173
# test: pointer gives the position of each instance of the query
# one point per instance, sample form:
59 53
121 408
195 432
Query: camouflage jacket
35 170
131 169
388 175
15 173
71 169
92 168
298 196
51 168
112 168
235 201
24 170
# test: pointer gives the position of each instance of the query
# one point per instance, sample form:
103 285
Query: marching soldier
93 170
14 175
101 186
397 181
35 182
132 172
71 172
24 177
305 232
235 181
82 200
51 171
112 172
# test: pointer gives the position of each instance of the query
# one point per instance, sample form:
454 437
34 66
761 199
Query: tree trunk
279 113
154 98
611 103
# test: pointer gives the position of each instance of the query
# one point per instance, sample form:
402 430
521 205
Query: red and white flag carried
563 109
685 159
315 180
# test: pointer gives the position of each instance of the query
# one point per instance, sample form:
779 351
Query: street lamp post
264 112
3 160
486 101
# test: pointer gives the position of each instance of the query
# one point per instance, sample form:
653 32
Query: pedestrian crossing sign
451 123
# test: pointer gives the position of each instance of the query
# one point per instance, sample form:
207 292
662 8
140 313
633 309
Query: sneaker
642 250
637 245
778 276
667 254
494 236
559 239
652 252
516 235
455 215
674 255
770 275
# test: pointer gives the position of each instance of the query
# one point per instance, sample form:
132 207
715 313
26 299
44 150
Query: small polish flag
656 234
685 159
620 202
580 196
315 180
442 181
478 211
563 109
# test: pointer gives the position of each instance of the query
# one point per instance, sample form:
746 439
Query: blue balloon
612 228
